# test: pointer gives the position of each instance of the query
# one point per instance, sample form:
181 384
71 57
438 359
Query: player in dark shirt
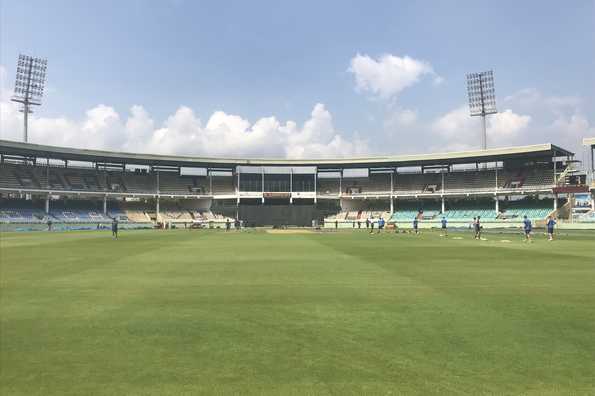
527 227
115 228
551 223
478 228
415 225
444 223
380 224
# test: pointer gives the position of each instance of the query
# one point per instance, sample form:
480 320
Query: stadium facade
40 183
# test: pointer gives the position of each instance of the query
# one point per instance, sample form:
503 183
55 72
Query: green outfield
209 312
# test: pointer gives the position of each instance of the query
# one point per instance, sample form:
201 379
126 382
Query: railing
561 178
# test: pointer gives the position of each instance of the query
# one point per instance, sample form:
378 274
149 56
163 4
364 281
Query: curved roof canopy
8 147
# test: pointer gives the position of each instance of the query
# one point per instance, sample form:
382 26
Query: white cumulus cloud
102 127
389 75
460 131
183 132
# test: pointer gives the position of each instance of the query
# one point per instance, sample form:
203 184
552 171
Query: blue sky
185 62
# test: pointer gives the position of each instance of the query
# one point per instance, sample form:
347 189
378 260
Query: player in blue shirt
444 222
527 226
380 224
551 223
415 225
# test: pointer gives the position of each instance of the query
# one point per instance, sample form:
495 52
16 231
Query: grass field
205 312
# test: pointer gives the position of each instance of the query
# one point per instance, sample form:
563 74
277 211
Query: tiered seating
133 183
327 187
137 216
360 215
416 183
223 185
175 184
352 215
341 216
20 215
407 210
470 180
74 180
375 183
26 177
539 177
588 217
533 209
93 183
89 179
529 178
173 213
404 215
76 212
532 213
8 177
468 213
208 215
176 216
117 213
55 181
78 216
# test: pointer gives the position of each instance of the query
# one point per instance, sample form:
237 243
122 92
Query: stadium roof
8 147
589 141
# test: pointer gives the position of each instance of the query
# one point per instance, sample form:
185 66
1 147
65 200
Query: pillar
105 205
443 206
290 185
555 201
47 204
315 184
157 180
47 173
497 205
157 208
555 170
238 187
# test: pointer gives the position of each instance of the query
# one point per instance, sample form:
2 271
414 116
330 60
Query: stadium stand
416 183
467 184
223 185
328 187
375 183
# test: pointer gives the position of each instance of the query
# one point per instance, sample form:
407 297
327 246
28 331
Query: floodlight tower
29 86
482 99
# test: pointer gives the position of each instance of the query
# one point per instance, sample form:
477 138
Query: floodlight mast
482 99
29 86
